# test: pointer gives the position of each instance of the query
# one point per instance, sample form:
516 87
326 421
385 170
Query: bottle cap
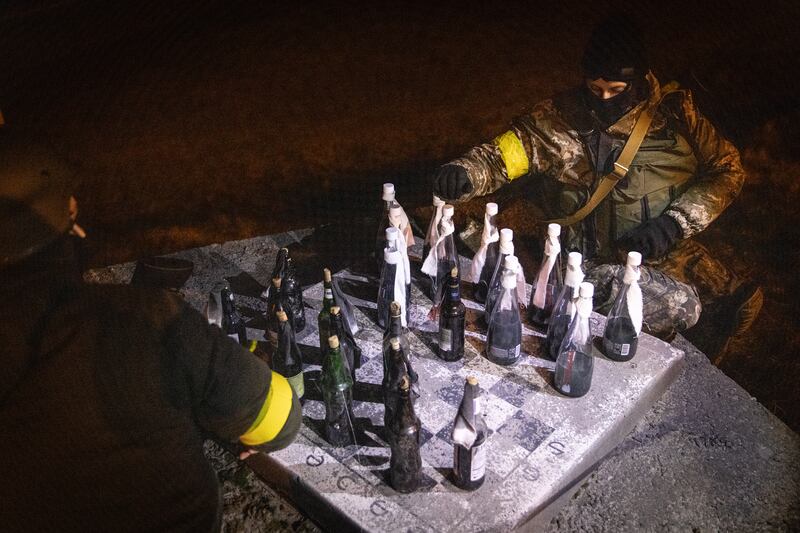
388 192
335 310
333 341
326 275
586 290
634 259
392 233
276 282
554 230
281 316
395 309
506 235
454 272
394 342
510 280
511 263
472 380
447 211
491 209
574 259
395 210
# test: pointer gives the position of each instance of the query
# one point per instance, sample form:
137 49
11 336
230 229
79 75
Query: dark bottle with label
337 393
451 321
469 439
287 359
405 464
575 364
347 342
494 288
394 369
548 282
324 317
504 336
564 308
395 329
291 290
621 335
274 303
485 261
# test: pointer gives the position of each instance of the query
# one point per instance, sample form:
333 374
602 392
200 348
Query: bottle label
616 348
478 469
445 339
328 294
623 349
504 353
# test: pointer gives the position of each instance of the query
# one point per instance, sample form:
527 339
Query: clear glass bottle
337 393
504 336
575 364
287 359
324 317
469 439
442 257
505 249
548 281
484 263
624 323
405 464
452 321
564 308
432 235
347 342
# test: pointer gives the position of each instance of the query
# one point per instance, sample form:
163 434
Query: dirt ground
208 121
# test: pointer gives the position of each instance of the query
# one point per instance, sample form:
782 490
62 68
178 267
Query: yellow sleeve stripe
513 154
273 414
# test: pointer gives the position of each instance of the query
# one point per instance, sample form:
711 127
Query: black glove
451 182
653 239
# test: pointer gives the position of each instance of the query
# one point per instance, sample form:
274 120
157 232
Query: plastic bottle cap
335 310
447 211
491 209
454 272
506 235
395 210
395 309
511 263
388 192
586 290
394 342
510 280
276 282
554 230
472 380
326 275
333 341
574 259
282 316
634 259
392 233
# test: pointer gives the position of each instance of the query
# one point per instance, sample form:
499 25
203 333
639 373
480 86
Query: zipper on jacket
645 209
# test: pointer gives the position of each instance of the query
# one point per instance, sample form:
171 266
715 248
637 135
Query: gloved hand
451 182
653 239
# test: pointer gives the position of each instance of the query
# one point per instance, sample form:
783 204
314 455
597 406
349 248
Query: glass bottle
347 342
442 257
274 303
469 439
621 335
396 329
221 311
405 464
574 365
337 393
293 295
486 258
324 317
548 281
387 201
393 286
451 321
505 248
504 336
287 359
564 308
432 235
394 369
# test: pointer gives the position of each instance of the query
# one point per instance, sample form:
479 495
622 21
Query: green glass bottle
324 318
337 393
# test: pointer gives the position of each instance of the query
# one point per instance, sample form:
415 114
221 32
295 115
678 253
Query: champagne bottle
451 322
504 337
337 393
347 342
469 439
405 464
324 317
485 260
494 287
621 335
287 359
564 308
575 364
548 281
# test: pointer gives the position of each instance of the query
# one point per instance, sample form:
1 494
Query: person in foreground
108 392
580 147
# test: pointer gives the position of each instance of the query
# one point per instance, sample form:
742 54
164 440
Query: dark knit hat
615 50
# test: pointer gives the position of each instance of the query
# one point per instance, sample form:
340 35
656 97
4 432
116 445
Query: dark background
197 122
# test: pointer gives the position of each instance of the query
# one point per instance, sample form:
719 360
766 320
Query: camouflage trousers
674 289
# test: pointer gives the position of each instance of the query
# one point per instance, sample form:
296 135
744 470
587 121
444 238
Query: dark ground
208 121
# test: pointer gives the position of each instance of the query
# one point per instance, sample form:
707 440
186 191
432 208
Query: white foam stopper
388 192
574 259
511 263
447 211
395 210
491 209
554 230
634 259
510 280
392 234
506 235
586 290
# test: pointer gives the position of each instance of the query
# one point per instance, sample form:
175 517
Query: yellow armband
273 414
513 154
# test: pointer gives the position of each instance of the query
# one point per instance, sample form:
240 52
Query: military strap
623 162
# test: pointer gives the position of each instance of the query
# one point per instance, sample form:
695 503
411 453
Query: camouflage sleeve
719 178
525 148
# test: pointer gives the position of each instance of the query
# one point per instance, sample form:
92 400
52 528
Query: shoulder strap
623 162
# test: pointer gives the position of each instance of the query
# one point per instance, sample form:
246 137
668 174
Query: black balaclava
615 52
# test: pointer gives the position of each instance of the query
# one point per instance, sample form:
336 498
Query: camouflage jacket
683 169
